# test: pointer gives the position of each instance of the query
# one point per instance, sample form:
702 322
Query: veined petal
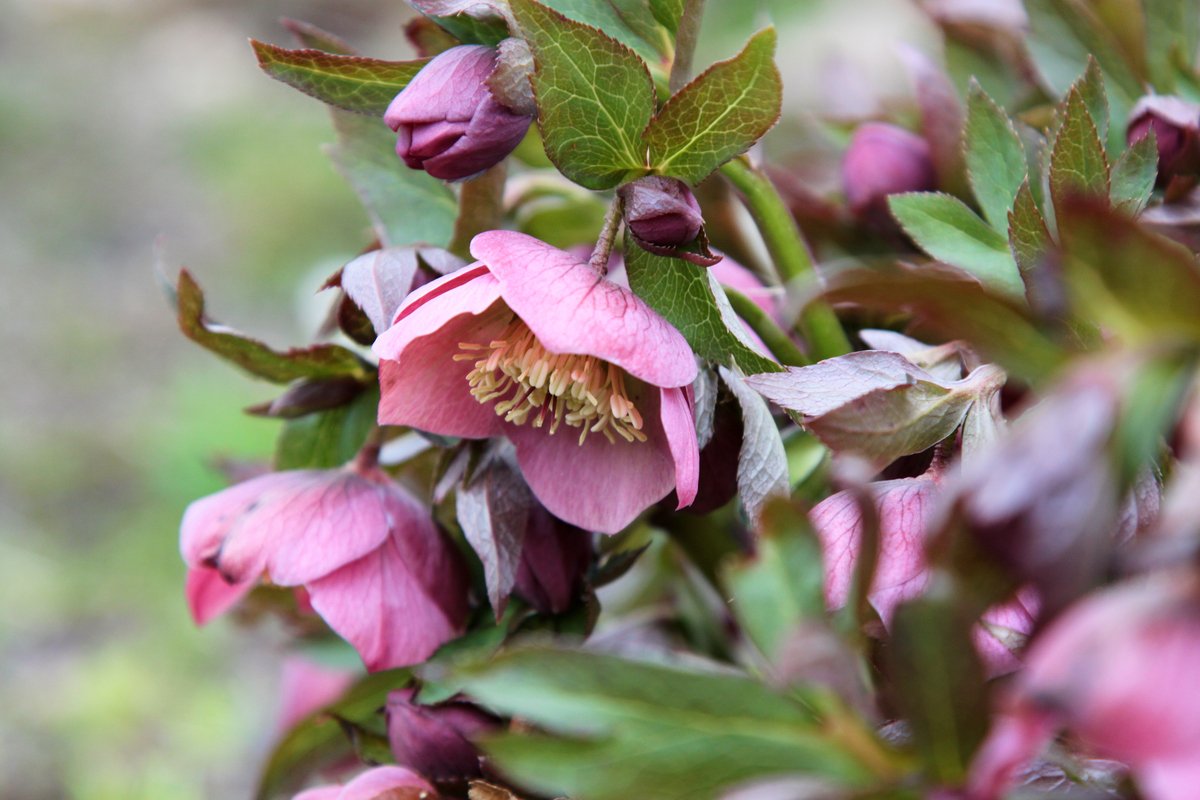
387 782
209 595
571 309
679 426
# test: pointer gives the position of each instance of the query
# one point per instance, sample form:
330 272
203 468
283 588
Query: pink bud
435 739
661 211
882 160
554 558
447 121
1175 122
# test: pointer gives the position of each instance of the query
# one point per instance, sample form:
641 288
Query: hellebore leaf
470 21
667 12
493 511
938 682
689 299
1077 161
943 361
317 361
762 470
628 21
1063 34
1091 88
1028 236
1134 174
782 584
947 230
406 206
1172 28
594 97
1137 283
617 726
719 115
351 83
327 439
995 157
379 280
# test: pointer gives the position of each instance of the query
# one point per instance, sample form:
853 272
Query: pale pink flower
307 686
589 383
380 783
374 565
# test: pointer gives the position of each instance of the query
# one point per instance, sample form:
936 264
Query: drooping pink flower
882 160
307 686
380 783
589 383
374 565
902 572
435 739
1117 669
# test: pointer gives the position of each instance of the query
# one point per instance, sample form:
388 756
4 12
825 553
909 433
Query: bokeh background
137 136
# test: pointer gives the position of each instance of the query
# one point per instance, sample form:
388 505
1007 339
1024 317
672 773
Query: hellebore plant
864 505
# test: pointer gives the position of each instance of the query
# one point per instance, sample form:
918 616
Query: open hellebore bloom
435 740
1118 669
374 565
447 119
589 383
882 160
380 783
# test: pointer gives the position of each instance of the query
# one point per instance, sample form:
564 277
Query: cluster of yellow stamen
530 384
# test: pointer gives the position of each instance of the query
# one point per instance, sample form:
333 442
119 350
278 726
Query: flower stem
368 454
608 235
761 323
685 44
820 326
480 208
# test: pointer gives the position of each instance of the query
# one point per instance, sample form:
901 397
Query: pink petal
1015 738
571 309
379 781
207 521
209 595
397 605
679 425
1018 616
319 793
307 687
732 274
1175 779
599 485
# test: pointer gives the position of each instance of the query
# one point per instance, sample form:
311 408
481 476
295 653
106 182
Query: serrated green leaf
352 83
1138 284
938 683
1091 88
1027 234
406 206
684 294
1134 174
620 726
594 97
667 12
995 157
947 230
1078 164
718 115
1062 34
317 361
327 439
782 584
628 21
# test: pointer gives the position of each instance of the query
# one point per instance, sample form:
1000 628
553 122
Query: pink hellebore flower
308 686
901 573
882 160
374 565
1118 669
380 783
589 383
447 121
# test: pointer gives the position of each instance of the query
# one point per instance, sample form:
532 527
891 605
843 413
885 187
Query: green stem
685 44
480 208
820 326
783 348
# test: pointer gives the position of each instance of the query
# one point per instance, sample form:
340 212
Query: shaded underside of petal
379 781
679 427
599 485
209 595
571 309
470 290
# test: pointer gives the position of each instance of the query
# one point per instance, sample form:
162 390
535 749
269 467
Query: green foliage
1134 174
718 115
621 728
687 297
630 22
1027 233
1078 164
352 83
317 361
594 97
327 439
946 229
995 157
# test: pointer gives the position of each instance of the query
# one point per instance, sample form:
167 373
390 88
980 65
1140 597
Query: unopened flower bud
447 120
882 160
1176 126
554 559
661 211
435 739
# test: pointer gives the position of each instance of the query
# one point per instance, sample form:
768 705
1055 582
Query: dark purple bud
447 120
882 160
434 740
554 558
661 211
1176 126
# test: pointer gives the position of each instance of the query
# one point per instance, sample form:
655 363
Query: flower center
530 384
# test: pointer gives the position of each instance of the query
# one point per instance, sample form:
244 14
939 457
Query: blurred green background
136 133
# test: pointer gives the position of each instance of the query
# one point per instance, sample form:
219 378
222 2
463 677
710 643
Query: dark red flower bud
882 160
661 211
1176 126
434 740
554 558
447 120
